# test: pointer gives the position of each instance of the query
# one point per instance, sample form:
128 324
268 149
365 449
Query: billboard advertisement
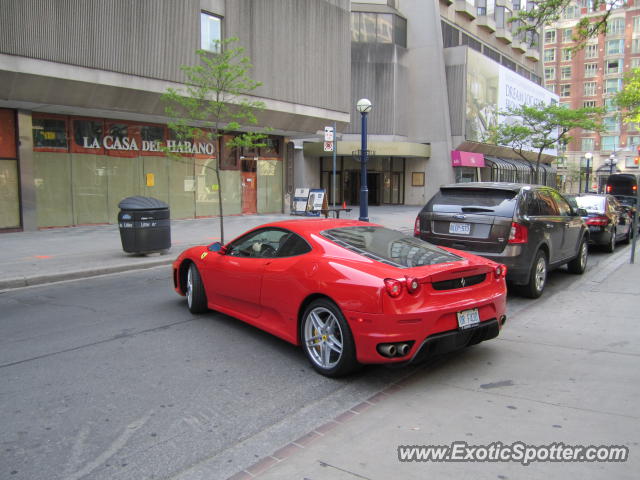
493 88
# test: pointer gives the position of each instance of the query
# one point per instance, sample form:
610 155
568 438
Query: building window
50 133
612 85
491 53
636 24
566 54
550 36
610 142
635 45
615 47
590 89
210 32
450 35
549 73
633 142
565 73
589 104
567 35
590 69
503 14
635 62
631 162
565 90
570 12
611 124
613 66
587 144
609 105
591 51
471 42
615 26
549 54
368 27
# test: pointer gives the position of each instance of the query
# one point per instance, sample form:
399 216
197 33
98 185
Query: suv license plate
460 228
468 318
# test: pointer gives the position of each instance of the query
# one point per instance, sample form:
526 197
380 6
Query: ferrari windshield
389 246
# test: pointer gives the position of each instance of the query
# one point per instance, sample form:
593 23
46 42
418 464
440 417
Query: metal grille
459 282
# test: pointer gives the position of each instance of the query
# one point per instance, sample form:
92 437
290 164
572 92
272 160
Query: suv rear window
389 246
478 201
591 204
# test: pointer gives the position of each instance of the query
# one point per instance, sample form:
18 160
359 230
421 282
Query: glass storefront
84 167
9 178
385 180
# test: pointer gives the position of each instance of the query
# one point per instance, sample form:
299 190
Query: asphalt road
112 378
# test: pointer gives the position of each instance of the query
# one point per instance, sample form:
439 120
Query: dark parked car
528 228
609 222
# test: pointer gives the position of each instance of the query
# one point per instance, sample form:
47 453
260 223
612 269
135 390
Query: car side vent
459 282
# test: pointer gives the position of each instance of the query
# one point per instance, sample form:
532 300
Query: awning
519 171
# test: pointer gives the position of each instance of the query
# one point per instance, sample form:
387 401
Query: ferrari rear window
389 246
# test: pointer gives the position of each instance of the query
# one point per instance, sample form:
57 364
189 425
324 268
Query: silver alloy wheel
189 291
323 337
584 252
541 273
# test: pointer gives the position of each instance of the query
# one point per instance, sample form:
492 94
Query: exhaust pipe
387 349
503 320
403 349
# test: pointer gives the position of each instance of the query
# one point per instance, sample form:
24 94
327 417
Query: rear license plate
468 318
460 228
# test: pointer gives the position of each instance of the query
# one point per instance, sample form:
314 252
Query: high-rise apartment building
591 77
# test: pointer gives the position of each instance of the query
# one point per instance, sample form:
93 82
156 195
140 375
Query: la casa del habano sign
126 144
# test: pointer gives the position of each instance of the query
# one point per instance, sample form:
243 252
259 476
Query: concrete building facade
81 112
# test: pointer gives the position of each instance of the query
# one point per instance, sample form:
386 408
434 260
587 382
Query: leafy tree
540 127
540 13
629 97
215 102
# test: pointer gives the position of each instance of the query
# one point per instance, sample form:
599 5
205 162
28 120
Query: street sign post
328 146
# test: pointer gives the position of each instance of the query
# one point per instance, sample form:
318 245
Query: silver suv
529 228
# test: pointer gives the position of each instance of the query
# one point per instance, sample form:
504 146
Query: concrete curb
21 282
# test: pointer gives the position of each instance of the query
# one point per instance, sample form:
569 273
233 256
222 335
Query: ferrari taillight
412 285
518 233
394 287
416 227
500 271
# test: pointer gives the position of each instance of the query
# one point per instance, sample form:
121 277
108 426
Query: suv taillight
518 234
416 227
599 221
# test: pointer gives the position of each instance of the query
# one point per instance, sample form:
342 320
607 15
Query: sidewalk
565 370
57 254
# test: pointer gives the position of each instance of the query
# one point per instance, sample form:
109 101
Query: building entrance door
249 187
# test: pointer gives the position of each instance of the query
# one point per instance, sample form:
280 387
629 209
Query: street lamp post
364 107
588 157
611 161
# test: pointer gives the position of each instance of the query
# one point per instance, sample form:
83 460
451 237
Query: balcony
465 8
486 22
504 34
519 45
505 3
532 54
446 2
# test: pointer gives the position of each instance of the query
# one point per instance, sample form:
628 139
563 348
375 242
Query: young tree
540 127
215 102
629 97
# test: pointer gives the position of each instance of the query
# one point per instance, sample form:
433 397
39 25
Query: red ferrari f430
348 292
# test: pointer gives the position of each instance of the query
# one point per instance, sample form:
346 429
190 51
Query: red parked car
349 292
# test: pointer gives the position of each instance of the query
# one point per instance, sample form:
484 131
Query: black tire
611 246
579 264
324 331
537 276
196 296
